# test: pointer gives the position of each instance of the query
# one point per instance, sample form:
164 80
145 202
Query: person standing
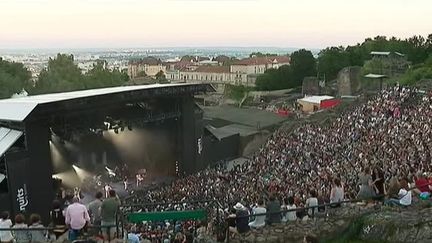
273 207
77 218
378 181
37 235
109 209
259 221
21 236
366 192
337 193
5 223
94 209
312 202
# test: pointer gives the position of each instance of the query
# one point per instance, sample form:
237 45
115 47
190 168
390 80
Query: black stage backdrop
16 164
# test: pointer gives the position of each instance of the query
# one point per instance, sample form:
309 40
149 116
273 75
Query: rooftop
385 53
316 99
17 109
252 118
212 69
372 75
263 60
147 60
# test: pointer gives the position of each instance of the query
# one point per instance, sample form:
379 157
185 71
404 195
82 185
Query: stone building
148 66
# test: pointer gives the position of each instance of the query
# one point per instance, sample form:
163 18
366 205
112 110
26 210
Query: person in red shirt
422 183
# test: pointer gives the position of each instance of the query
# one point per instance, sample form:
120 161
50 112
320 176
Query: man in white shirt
405 196
76 218
259 220
312 201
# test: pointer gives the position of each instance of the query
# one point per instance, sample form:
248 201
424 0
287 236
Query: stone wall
310 86
324 225
398 225
349 81
353 223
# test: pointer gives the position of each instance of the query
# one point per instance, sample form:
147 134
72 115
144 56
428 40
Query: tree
14 77
160 77
418 72
331 60
60 75
100 76
303 64
274 79
259 54
141 74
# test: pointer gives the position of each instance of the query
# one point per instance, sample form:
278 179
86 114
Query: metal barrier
333 206
183 211
300 209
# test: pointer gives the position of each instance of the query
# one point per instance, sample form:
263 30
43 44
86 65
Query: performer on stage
77 193
139 179
125 183
107 188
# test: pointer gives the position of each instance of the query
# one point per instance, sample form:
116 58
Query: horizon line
158 47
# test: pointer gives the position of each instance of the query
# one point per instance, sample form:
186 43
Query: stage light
82 174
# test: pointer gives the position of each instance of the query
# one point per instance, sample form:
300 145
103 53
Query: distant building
149 66
241 72
389 63
218 76
258 65
315 103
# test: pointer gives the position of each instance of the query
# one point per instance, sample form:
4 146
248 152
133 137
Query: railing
327 206
159 212
88 232
300 209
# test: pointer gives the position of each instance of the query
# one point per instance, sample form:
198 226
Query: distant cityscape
37 59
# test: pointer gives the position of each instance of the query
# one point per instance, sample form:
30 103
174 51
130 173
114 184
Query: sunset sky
175 23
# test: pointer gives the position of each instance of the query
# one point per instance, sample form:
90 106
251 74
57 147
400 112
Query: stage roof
242 116
18 109
7 138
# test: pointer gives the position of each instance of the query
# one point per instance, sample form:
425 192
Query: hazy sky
163 23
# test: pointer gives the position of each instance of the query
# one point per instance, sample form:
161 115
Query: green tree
259 54
100 76
418 72
303 64
62 74
142 74
13 78
274 79
332 59
160 77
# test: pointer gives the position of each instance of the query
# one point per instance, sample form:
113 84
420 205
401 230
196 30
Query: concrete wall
308 106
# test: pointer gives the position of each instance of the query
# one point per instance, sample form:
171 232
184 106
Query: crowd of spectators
68 217
381 147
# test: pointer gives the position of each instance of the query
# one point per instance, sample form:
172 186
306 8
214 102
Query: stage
75 134
89 196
